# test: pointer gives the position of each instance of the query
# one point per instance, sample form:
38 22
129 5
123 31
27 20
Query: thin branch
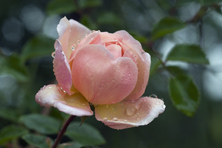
61 133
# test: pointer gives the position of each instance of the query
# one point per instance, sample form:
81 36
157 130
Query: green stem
61 133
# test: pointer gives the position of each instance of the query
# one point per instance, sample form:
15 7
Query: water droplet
163 106
105 119
53 55
130 111
153 96
115 119
137 106
50 87
78 41
73 48
63 90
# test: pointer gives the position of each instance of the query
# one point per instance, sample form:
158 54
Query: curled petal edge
70 31
53 95
61 68
130 113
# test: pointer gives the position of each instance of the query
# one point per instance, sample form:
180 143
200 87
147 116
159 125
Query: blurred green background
27 34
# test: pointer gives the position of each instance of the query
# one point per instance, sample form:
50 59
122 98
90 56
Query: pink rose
104 70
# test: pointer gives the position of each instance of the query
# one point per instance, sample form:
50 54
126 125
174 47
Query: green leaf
9 114
41 124
175 70
89 22
109 18
13 66
166 26
188 53
38 141
83 119
209 2
89 3
84 134
184 94
61 7
89 147
38 46
70 145
155 63
11 132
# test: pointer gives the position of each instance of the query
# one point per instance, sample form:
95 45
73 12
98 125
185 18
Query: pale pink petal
130 113
70 31
92 38
108 37
61 68
133 50
115 50
53 95
143 66
128 40
100 78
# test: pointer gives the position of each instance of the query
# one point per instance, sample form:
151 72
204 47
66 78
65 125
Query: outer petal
130 113
52 95
70 31
133 50
62 69
100 78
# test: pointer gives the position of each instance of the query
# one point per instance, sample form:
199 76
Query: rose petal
133 50
52 95
115 50
92 38
128 40
108 37
100 78
143 66
70 31
130 113
61 69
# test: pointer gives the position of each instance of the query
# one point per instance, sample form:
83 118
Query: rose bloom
108 71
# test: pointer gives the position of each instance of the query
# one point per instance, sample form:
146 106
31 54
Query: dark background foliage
183 38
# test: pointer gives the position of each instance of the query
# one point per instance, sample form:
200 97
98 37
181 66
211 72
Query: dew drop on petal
115 119
105 119
137 106
163 106
130 111
153 96
53 55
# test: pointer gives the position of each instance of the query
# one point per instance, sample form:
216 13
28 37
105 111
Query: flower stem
62 131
